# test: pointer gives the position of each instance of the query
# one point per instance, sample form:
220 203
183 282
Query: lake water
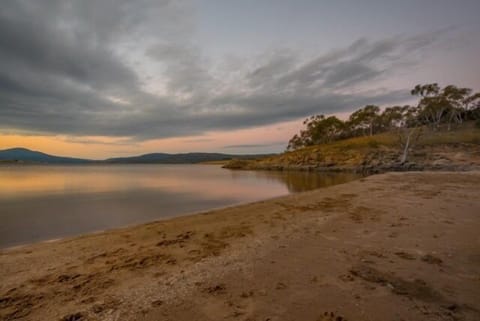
47 202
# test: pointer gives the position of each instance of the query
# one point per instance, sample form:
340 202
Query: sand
396 246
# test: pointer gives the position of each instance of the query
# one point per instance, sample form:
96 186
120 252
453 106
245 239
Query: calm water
47 202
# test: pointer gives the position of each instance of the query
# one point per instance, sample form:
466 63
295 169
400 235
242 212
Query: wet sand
397 246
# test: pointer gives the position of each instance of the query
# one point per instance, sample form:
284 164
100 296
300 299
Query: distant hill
29 156
186 158
23 155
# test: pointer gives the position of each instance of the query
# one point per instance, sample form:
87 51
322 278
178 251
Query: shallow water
46 202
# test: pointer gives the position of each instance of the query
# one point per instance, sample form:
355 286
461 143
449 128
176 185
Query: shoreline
140 224
366 170
293 257
36 214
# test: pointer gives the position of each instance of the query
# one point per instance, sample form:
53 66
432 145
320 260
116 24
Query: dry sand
397 246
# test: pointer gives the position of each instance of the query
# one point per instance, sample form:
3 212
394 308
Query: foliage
437 107
318 130
366 118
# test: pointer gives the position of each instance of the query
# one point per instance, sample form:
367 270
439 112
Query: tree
431 106
364 118
457 100
450 104
393 117
319 129
327 130
436 106
425 91
472 106
295 143
407 138
408 129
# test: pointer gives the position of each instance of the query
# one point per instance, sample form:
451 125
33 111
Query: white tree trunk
407 145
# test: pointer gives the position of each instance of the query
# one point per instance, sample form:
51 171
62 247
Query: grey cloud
360 62
314 69
185 67
346 73
64 70
284 107
277 63
29 41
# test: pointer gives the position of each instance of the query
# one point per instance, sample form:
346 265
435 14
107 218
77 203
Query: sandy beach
395 246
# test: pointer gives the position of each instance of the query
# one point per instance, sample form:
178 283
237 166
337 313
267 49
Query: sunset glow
99 79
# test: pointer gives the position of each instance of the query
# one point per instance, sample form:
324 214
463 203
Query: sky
106 78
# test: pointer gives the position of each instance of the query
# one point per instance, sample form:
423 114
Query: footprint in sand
157 303
74 317
331 316
215 290
432 259
405 255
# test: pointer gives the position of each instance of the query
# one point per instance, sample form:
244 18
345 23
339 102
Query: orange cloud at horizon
86 146
100 147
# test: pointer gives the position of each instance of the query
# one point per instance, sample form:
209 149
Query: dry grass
355 151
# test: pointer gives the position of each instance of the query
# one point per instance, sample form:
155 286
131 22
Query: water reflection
39 181
296 181
44 202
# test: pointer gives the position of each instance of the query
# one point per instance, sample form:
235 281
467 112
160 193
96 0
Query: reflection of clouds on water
209 181
202 181
43 202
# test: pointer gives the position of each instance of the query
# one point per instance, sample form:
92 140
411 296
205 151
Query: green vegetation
437 149
441 132
437 108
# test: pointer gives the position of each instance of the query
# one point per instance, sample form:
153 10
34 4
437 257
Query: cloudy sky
99 78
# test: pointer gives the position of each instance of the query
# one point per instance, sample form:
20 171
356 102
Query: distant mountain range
23 155
30 156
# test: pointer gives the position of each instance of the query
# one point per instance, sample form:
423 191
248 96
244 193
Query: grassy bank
440 149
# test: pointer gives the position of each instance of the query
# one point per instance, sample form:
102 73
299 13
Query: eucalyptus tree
451 104
319 129
394 117
432 106
366 118
472 106
457 101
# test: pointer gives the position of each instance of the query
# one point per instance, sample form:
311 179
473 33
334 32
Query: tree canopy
449 106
